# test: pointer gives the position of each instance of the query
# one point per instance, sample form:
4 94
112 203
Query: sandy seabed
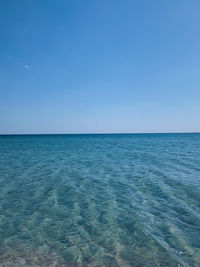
24 257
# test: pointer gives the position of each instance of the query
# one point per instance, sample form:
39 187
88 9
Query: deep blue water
100 200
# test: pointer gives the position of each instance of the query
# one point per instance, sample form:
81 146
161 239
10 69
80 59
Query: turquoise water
100 200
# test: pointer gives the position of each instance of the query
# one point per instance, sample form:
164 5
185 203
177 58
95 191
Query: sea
100 200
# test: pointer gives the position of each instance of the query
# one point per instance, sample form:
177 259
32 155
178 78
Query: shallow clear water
100 200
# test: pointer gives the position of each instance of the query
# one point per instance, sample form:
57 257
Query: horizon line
97 133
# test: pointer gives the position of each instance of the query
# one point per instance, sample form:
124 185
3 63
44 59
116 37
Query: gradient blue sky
77 66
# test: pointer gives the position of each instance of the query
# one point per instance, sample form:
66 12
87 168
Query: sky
99 66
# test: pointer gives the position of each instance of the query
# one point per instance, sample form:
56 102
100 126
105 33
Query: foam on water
100 200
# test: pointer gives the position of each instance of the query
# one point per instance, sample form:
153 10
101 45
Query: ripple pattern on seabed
100 200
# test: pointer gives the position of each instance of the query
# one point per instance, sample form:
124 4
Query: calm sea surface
100 200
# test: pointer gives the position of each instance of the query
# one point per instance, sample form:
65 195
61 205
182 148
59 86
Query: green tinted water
100 200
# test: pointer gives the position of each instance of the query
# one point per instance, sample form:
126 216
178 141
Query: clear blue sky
74 66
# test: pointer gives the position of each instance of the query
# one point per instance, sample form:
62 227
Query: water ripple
100 200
